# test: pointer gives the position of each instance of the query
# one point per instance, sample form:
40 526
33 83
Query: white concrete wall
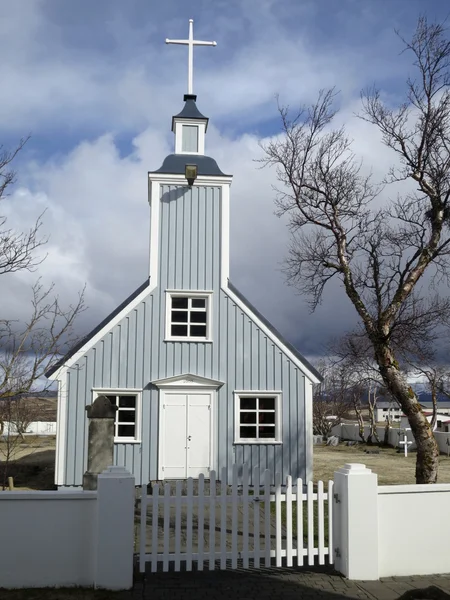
421 545
34 428
54 539
350 431
47 539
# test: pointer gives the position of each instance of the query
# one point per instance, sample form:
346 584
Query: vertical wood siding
134 353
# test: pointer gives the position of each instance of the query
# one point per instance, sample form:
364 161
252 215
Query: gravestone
333 441
101 414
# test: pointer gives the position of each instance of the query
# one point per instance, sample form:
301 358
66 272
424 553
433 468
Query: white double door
186 448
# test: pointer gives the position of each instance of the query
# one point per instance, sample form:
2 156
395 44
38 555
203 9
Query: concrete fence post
355 522
115 529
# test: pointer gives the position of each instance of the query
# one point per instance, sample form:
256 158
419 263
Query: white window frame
188 294
201 124
184 135
278 417
138 411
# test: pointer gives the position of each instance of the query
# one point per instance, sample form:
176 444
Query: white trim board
61 429
178 179
225 236
155 201
246 310
188 380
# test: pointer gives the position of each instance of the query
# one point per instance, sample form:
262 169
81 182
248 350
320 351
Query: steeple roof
190 111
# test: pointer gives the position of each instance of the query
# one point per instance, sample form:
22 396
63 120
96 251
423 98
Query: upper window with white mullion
188 317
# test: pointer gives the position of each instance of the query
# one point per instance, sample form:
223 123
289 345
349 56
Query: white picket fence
240 526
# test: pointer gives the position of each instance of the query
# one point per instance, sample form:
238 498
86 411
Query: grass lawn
32 463
392 468
58 594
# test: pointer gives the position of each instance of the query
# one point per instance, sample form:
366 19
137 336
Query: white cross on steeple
190 43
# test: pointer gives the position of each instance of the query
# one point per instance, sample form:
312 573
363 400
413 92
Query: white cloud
123 80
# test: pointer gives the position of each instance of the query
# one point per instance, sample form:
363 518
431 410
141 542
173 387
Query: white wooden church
200 378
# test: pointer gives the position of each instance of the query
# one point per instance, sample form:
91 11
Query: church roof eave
174 164
276 333
82 343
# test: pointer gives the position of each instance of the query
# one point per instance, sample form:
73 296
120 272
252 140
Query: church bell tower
189 203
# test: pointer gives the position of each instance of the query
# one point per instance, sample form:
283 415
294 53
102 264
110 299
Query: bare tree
437 378
380 252
27 351
17 249
331 402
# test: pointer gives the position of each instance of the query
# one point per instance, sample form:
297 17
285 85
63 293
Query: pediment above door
188 380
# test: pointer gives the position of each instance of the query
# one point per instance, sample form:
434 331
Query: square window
188 316
179 330
127 402
198 316
180 316
257 418
125 431
198 303
126 417
198 331
248 432
178 302
248 403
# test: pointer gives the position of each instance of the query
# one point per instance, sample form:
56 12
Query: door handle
189 438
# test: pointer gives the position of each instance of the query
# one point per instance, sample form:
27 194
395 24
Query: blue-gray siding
134 353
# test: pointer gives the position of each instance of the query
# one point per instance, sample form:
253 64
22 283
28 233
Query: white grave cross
405 443
191 43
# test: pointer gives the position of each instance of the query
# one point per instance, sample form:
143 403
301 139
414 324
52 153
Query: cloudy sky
95 85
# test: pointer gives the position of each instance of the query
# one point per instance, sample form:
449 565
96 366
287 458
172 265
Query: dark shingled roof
175 163
269 326
100 326
190 111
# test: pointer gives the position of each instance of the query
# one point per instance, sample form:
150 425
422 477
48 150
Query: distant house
442 405
443 425
442 421
386 410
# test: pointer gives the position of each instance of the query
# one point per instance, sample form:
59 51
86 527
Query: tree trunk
386 432
434 400
427 462
360 420
372 423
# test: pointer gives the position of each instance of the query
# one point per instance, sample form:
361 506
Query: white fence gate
221 526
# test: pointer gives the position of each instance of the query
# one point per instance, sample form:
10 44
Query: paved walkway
285 584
